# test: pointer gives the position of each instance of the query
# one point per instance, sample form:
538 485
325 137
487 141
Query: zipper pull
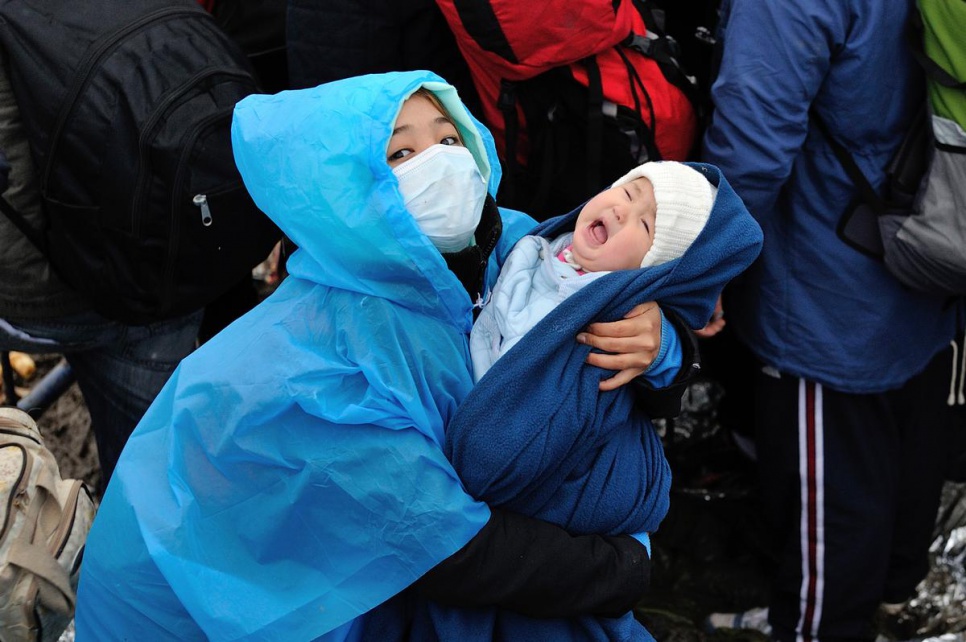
202 201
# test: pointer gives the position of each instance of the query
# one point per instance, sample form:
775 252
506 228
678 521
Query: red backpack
576 93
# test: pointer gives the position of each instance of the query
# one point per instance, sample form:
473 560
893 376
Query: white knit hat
684 199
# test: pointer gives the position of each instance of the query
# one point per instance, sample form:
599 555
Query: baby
648 217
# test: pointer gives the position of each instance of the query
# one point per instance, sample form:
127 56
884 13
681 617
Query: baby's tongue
599 232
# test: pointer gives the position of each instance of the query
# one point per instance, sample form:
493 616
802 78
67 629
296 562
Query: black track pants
851 484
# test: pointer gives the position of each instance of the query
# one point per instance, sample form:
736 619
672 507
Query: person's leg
121 379
828 463
120 369
926 419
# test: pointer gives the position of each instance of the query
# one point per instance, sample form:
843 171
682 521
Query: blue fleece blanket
535 435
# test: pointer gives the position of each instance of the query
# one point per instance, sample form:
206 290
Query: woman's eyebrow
401 128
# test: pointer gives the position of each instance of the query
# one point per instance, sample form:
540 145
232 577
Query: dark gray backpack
128 107
918 228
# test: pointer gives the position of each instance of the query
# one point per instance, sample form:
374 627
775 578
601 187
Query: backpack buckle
638 43
508 96
659 48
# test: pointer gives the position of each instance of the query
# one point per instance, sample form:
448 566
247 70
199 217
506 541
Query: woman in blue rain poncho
290 476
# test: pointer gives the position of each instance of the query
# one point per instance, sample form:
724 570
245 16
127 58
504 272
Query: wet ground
711 551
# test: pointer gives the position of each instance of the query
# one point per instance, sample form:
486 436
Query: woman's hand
633 343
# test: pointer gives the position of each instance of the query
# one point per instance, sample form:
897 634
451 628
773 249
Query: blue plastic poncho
290 475
535 436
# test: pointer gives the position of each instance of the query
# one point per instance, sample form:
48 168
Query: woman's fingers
713 328
638 332
628 346
628 361
641 319
618 380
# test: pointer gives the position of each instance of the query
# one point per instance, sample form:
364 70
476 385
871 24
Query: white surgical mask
444 191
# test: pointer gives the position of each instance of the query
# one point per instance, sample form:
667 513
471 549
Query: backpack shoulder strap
859 226
595 125
918 48
868 194
662 49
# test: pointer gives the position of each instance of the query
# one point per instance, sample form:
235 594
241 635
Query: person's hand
716 323
633 343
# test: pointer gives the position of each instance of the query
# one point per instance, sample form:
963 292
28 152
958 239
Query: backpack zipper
83 72
18 487
22 435
179 177
201 200
173 95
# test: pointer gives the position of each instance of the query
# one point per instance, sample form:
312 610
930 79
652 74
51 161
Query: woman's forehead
419 110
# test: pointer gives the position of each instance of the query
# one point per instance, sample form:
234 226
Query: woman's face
420 125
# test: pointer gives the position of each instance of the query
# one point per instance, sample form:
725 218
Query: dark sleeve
538 569
665 403
332 39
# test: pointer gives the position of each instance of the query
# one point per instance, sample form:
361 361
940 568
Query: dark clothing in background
29 289
119 368
851 392
332 39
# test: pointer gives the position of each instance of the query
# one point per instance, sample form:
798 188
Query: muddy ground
711 551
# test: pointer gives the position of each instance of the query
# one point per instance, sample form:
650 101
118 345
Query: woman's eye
628 194
450 140
402 153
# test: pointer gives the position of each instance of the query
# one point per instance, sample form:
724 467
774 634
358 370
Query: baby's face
615 229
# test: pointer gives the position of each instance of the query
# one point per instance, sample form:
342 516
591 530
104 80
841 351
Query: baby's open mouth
598 232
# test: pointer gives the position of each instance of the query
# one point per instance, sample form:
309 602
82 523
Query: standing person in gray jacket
119 368
854 369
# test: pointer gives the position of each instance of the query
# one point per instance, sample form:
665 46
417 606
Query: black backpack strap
543 174
645 128
595 124
918 48
666 52
937 73
868 194
859 226
553 147
17 219
507 103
